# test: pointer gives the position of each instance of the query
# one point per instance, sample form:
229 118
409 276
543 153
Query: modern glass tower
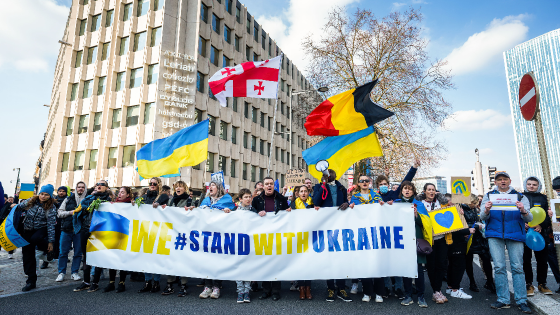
541 55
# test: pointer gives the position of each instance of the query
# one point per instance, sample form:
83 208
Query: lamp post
17 180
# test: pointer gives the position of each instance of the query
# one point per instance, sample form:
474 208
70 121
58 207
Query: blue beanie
62 188
49 189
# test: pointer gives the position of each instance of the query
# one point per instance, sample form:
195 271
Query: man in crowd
501 234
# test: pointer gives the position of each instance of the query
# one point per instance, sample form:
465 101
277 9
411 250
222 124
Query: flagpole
274 119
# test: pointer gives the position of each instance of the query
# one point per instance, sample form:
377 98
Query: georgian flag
257 79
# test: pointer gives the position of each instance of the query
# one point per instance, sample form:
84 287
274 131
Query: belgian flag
346 113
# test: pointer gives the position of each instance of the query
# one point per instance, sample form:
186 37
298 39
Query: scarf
358 195
300 204
178 198
152 193
127 200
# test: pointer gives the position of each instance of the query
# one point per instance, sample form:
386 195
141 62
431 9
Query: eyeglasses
363 181
101 184
153 184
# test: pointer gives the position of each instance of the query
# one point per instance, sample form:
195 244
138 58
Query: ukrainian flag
346 113
426 221
187 147
343 151
108 231
9 237
26 191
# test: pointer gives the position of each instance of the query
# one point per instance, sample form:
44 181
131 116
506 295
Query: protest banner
295 177
460 190
447 220
503 202
301 244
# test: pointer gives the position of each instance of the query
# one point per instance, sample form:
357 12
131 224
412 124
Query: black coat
5 211
66 224
479 244
341 195
537 199
150 197
280 202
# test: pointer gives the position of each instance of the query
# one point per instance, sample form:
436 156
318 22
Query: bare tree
358 48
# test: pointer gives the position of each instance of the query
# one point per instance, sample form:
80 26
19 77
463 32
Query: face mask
384 189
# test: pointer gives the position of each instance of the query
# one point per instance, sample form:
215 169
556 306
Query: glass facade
540 55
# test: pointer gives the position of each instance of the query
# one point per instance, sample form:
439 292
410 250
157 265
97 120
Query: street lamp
17 181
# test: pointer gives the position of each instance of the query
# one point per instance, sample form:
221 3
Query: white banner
365 242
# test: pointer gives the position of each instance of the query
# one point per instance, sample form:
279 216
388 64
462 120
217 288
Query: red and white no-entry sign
528 96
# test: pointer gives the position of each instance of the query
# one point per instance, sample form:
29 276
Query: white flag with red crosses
250 79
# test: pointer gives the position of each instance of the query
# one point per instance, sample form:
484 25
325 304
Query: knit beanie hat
63 188
49 189
556 182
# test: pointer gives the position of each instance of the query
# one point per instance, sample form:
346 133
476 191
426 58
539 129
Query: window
143 6
215 23
248 23
101 85
153 73
232 169
223 130
139 41
129 155
262 120
256 33
261 147
269 46
212 125
282 180
277 155
197 116
132 113
214 53
248 52
269 123
116 122
149 110
119 85
227 34
234 101
210 162
97 121
92 55
262 174
202 46
254 115
222 163
155 37
245 171
246 110
200 82
69 126
238 14
253 173
83 24
95 22
136 77
226 62
65 159
83 124
88 89
204 12
127 12
93 159
263 42
282 108
112 158
85 2
255 57
105 51
109 18
78 61
124 46
245 140
74 91
237 40
234 135
253 143
79 160
158 4
282 84
282 156
229 5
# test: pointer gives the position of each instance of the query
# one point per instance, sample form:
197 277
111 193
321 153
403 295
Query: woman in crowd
124 195
216 199
408 193
456 255
180 199
82 222
301 200
479 246
39 231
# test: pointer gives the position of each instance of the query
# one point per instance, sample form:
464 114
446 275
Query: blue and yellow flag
108 231
26 191
426 221
187 147
9 237
343 151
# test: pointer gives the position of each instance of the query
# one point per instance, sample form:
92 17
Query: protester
331 193
532 191
301 200
382 183
166 190
502 232
456 256
4 212
69 239
81 221
244 287
61 195
267 202
258 186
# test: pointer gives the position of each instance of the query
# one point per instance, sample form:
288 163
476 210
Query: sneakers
378 299
246 298
10 256
499 305
60 277
460 294
155 287
147 287
168 289
110 287
399 294
354 289
343 296
443 297
121 287
215 293
93 287
544 290
330 295
530 290
366 298
525 308
39 254
240 298
438 298
422 302
386 293
28 287
206 293
407 301
182 291
448 291
76 277
82 287
294 286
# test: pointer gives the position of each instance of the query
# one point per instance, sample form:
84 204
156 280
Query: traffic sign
528 96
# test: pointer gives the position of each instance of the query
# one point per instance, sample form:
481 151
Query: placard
503 202
556 231
461 189
447 220
295 177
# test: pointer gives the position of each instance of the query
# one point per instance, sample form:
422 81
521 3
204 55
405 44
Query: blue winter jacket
224 202
509 225
375 197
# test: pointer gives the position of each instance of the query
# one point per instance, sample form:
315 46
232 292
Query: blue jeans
398 283
515 252
67 240
152 276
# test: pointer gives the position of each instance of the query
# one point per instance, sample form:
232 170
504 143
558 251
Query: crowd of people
54 223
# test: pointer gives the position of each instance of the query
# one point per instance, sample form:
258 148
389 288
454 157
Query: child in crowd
243 287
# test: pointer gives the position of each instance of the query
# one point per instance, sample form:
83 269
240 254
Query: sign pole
544 157
274 118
